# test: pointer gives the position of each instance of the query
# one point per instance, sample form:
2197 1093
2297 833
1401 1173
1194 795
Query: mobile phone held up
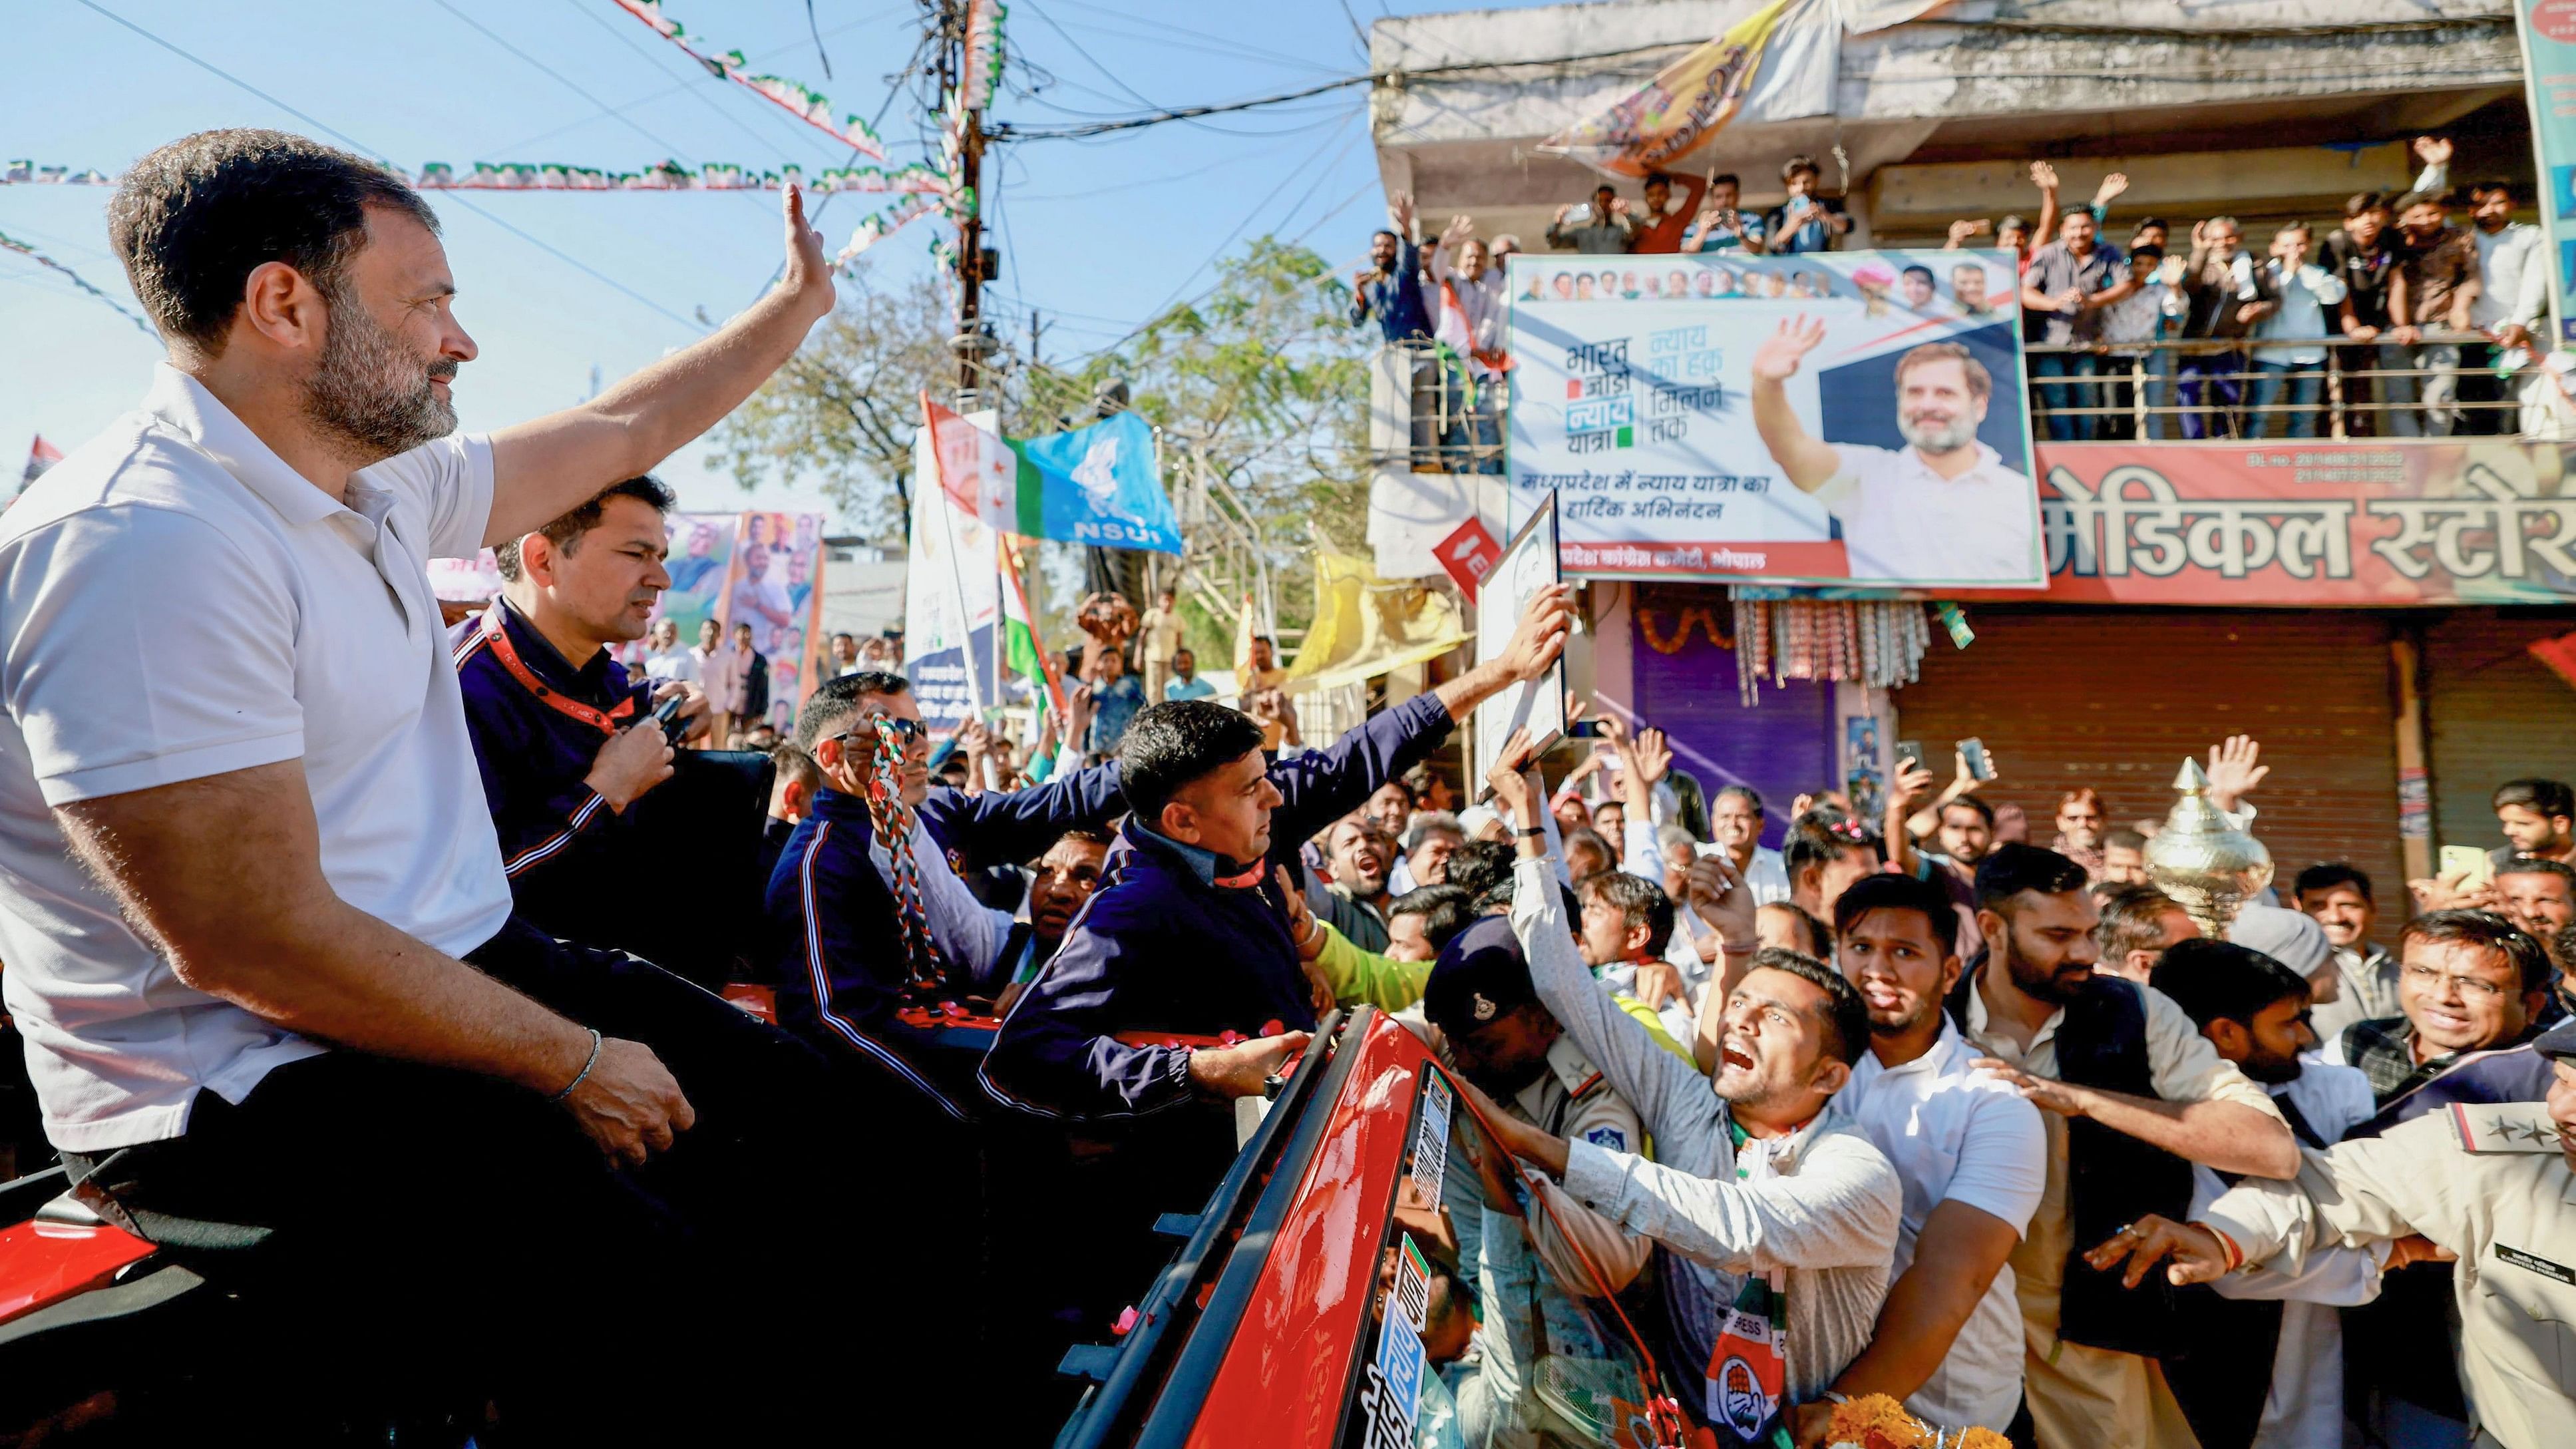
667 715
1980 764
1911 750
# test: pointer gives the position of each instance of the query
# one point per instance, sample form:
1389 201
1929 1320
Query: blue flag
1101 486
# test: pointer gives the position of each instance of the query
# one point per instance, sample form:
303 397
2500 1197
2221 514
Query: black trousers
402 1234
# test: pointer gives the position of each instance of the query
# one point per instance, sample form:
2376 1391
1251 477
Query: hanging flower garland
915 179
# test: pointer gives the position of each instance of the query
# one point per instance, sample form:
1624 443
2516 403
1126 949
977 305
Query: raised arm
1663 1086
545 468
1805 460
2205 1110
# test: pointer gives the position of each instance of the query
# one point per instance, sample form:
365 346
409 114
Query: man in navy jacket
837 937
1187 938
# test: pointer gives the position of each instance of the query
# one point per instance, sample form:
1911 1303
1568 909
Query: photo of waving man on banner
1945 504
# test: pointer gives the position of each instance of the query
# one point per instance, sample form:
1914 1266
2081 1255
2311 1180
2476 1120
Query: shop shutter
2493 713
2116 698
1684 675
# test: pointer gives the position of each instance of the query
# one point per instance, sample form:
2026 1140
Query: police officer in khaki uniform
1494 1032
2494 1186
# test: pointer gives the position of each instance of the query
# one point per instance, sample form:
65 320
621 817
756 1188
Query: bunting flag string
809 106
9 243
883 224
552 176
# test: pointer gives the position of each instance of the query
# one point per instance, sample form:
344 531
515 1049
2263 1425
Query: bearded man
1943 508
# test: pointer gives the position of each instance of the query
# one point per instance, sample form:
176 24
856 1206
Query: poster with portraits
772 582
1834 418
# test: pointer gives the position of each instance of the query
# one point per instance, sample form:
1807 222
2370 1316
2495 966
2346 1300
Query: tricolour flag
1021 649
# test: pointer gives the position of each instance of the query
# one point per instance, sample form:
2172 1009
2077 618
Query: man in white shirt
724 672
2510 254
1971 1155
2253 1008
243 880
1942 509
664 659
2290 378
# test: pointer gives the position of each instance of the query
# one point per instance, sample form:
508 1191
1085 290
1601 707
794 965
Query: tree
1261 381
843 410
1264 383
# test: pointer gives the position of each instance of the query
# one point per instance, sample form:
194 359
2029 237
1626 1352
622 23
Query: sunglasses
904 730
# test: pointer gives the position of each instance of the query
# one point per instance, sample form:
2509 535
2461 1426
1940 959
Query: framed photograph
1529 564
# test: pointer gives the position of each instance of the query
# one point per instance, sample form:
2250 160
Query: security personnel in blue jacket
841 960
1187 938
563 737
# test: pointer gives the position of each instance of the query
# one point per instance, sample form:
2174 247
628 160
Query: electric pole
965 92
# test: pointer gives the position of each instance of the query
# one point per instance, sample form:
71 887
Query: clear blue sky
1096 234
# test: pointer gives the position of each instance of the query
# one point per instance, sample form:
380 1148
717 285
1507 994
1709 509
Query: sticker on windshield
1412 1290
1431 1143
1399 1367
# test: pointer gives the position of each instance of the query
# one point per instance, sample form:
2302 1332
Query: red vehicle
1325 1296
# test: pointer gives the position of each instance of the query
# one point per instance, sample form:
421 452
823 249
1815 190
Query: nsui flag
1094 485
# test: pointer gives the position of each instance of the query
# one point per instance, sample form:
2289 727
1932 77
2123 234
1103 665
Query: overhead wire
363 148
688 83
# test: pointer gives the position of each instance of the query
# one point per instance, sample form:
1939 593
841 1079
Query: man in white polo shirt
1971 1155
1943 508
243 868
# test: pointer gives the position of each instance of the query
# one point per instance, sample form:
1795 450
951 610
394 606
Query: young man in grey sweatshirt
1754 1173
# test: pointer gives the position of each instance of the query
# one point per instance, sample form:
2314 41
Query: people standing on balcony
2432 288
2070 281
1806 222
2224 295
1471 305
1720 226
1667 216
2511 254
1601 227
2290 380
2127 325
2360 255
1390 288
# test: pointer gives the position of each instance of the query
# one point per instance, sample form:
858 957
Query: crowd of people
2428 326
324 941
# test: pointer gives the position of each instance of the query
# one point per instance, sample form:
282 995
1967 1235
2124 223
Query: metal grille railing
2445 385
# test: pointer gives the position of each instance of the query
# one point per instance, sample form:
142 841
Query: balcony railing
1431 421
2239 389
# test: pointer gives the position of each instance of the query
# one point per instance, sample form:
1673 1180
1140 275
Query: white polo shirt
1957 1135
176 602
1902 522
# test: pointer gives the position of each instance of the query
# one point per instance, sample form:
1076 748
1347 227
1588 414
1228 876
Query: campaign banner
2548 31
1841 418
952 596
2391 524
770 583
701 556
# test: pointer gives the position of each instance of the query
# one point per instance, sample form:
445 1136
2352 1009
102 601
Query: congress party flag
1095 485
1022 650
1687 102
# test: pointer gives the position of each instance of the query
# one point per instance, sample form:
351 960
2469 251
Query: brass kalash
2208 866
